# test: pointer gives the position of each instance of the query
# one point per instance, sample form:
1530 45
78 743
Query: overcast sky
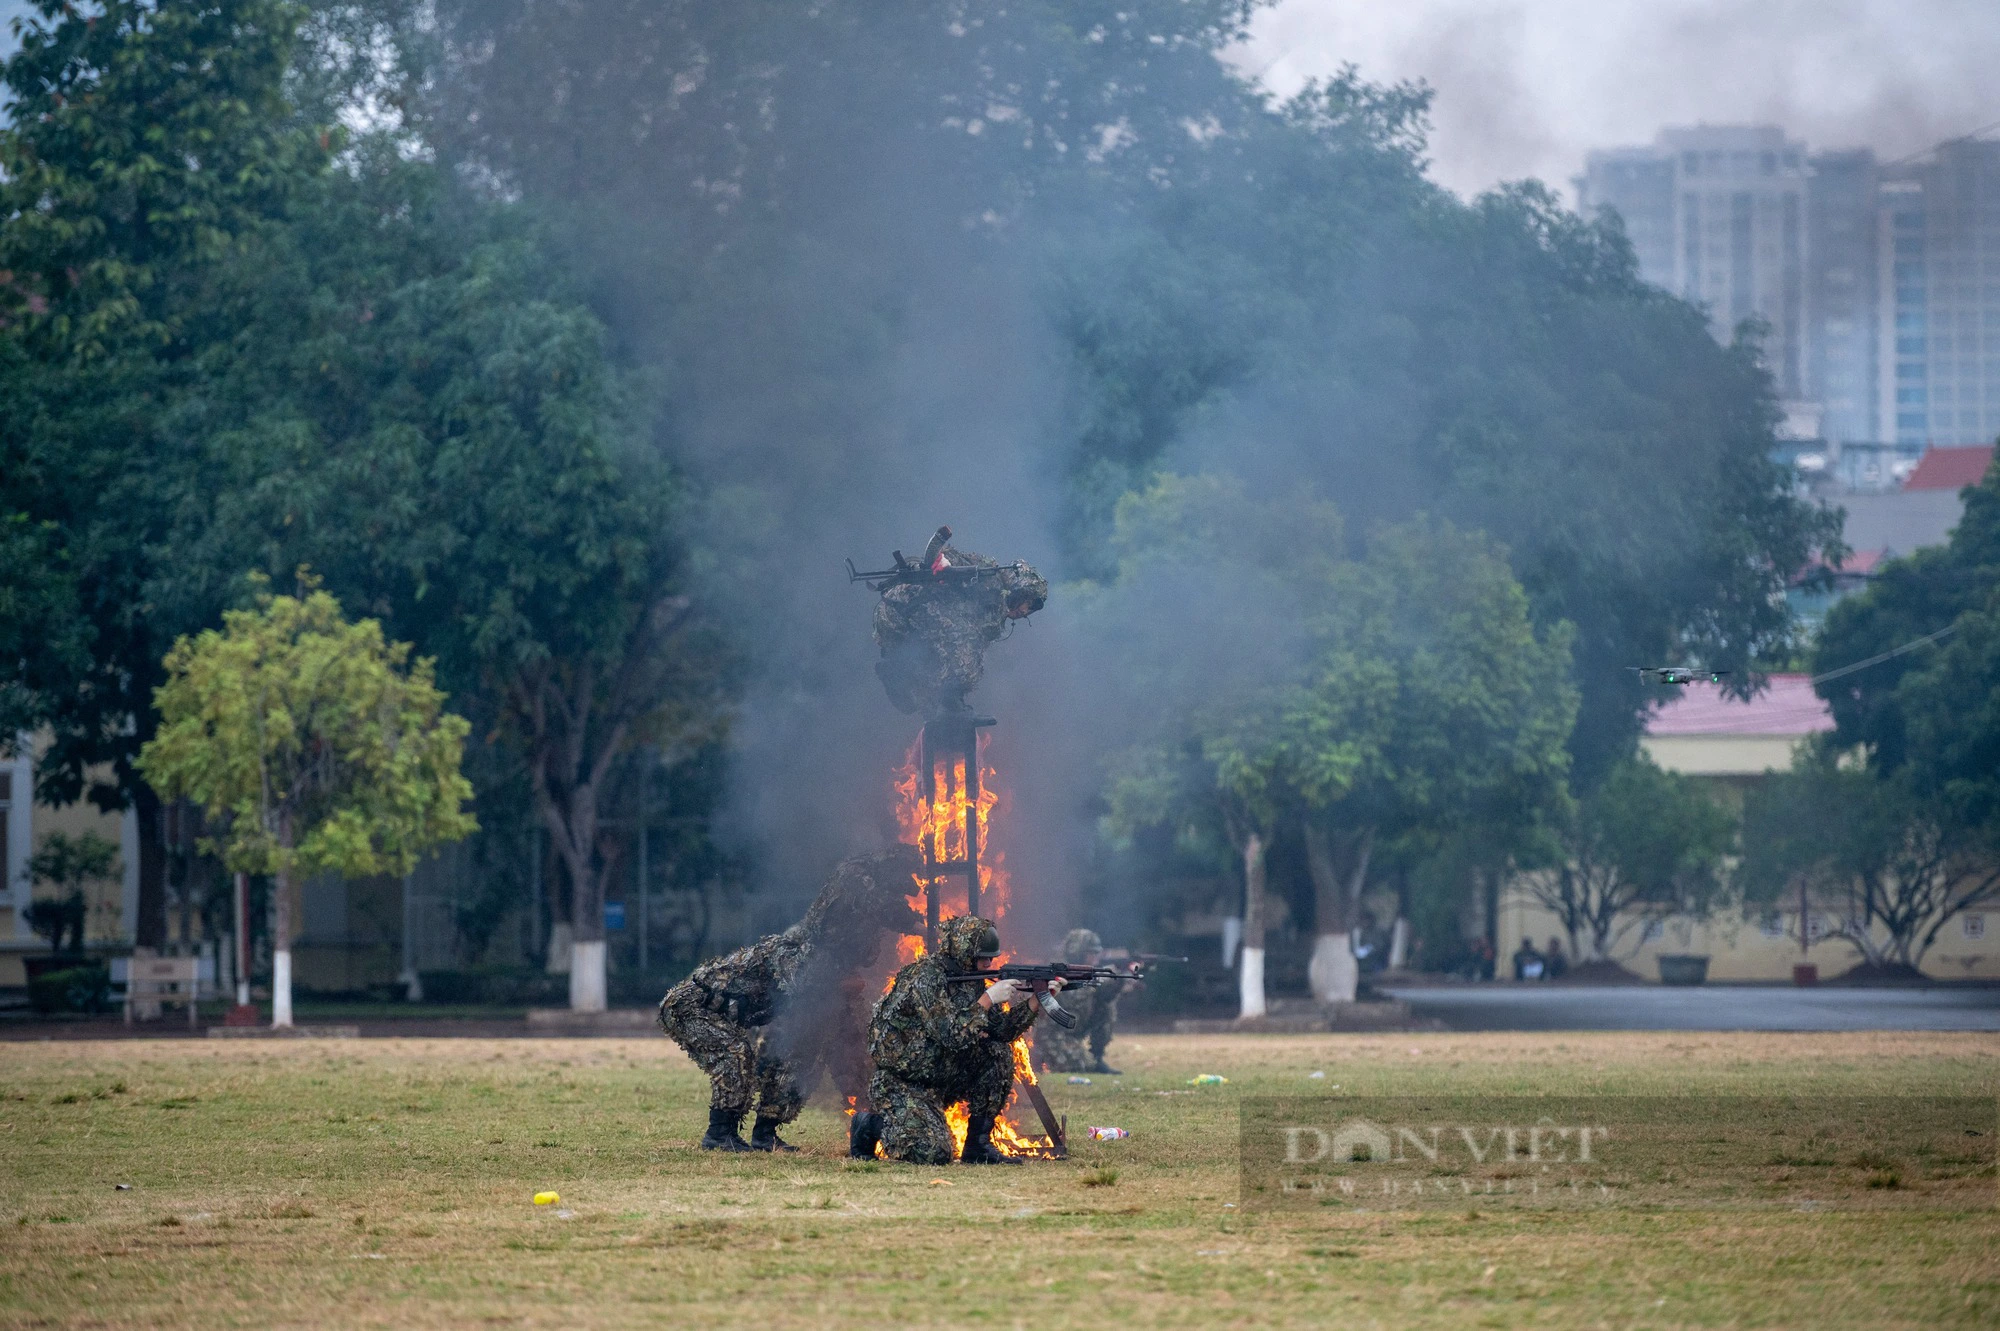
1527 87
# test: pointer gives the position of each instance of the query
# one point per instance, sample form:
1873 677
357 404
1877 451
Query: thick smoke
1528 88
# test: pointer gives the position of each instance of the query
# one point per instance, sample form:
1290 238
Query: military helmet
1080 945
968 939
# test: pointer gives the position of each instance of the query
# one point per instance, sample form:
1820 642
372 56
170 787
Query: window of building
1913 323
1909 247
1910 420
1910 346
1908 221
1911 369
1772 925
1911 397
1941 344
1968 420
1972 925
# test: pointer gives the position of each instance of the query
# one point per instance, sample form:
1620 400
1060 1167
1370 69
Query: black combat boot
979 1144
721 1134
1104 1069
764 1136
863 1131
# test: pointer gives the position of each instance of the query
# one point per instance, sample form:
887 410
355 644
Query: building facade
1938 222
1717 214
1879 282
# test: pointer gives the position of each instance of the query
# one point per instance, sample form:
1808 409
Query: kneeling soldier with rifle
941 1035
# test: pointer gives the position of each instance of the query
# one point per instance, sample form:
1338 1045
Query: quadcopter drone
1677 674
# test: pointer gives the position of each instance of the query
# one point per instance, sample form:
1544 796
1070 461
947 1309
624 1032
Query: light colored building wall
1759 947
112 908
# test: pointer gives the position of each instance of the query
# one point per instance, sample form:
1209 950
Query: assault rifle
1037 980
931 568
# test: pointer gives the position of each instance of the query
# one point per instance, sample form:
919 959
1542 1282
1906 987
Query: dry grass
388 1183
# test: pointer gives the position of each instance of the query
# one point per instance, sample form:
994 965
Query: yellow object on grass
547 1198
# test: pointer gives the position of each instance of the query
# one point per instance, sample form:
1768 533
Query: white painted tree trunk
281 941
281 986
1334 973
1250 982
586 976
1250 979
1399 944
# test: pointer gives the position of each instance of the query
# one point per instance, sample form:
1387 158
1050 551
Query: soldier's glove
1005 991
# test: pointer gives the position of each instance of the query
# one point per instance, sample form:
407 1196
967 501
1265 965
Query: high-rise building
1938 331
1880 282
1842 295
1717 214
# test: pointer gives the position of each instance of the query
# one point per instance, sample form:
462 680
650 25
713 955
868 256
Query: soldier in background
934 625
936 1043
1096 1007
763 1020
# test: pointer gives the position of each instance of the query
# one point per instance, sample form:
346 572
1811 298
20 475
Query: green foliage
1911 838
1884 863
85 988
1645 844
69 864
72 862
1407 695
323 749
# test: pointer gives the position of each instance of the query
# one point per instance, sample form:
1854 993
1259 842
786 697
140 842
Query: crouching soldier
730 1015
936 1043
1096 1009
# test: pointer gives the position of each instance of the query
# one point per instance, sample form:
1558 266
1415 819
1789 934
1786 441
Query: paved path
1711 1007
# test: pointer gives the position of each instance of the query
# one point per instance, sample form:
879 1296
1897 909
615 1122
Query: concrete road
1711 1007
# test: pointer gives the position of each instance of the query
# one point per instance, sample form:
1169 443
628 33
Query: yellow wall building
112 907
1735 745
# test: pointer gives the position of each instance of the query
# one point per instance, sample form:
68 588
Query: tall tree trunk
1334 973
1250 979
281 949
150 931
1399 932
576 839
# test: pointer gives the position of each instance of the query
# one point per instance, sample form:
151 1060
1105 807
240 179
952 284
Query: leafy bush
85 988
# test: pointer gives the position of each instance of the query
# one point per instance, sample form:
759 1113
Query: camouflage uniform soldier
723 1014
933 634
936 1043
1096 1008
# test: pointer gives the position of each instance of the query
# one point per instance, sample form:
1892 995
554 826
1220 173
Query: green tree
1229 746
420 409
1882 865
318 741
146 149
1911 671
70 865
1642 845
1461 711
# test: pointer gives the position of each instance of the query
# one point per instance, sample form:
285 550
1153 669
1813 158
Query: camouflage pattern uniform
934 1046
933 635
1096 1008
744 1016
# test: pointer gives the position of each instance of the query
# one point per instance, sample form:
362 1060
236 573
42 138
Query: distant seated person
1554 963
1528 963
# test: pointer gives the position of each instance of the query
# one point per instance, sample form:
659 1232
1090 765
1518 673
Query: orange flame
940 830
939 827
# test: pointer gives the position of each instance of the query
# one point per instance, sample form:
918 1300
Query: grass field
388 1183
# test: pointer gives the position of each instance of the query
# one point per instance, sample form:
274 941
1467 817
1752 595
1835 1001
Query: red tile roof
1861 561
1950 468
1787 707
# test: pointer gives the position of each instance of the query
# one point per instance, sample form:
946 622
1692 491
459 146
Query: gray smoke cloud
1527 87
